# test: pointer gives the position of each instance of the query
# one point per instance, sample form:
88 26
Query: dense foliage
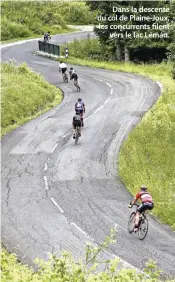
31 18
24 95
85 48
122 47
66 269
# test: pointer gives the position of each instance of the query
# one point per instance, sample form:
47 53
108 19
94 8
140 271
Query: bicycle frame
142 225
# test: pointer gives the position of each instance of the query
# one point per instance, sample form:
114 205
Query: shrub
65 269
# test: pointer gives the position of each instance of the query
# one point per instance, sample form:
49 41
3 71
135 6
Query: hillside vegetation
25 95
33 18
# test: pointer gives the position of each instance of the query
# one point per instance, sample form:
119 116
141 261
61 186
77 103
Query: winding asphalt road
55 195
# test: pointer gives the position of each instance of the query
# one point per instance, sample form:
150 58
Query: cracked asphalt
81 179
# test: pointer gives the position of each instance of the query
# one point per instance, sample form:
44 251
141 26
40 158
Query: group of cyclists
79 105
78 118
143 195
72 73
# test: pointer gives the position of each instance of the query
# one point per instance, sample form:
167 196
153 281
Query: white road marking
46 184
82 231
76 226
107 100
56 204
111 91
98 109
65 135
54 147
108 84
87 117
45 168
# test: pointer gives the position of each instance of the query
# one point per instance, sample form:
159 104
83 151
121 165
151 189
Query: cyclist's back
62 67
80 106
73 74
76 122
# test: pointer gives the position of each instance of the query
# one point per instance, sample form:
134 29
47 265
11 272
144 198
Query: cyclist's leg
140 209
62 71
74 133
82 121
74 129
80 130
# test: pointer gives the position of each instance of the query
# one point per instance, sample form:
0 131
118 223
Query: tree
124 44
171 47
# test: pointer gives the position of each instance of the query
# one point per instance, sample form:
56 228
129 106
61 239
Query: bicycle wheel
76 135
131 222
78 87
143 228
66 78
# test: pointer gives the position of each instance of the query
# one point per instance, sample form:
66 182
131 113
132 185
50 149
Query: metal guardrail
49 48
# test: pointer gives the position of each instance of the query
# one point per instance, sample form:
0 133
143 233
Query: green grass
148 154
26 19
25 95
59 31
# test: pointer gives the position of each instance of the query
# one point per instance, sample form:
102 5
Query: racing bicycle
143 224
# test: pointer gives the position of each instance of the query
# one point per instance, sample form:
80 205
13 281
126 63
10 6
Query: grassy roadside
28 19
60 31
25 95
148 154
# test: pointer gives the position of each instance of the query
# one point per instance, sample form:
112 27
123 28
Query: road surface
55 195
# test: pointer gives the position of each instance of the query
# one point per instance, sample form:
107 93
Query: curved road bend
56 195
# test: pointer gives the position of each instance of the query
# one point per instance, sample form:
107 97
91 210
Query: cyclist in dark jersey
147 203
76 122
73 74
47 36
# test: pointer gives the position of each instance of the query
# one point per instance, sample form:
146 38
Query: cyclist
47 36
62 68
76 122
80 108
73 74
147 203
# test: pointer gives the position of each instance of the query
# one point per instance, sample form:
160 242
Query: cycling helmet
61 62
79 99
143 187
71 68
